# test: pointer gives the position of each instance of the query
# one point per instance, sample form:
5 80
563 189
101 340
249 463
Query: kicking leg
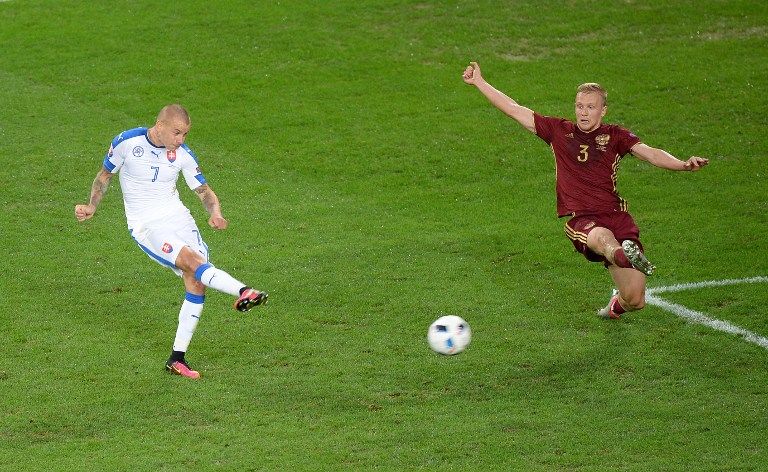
627 254
204 272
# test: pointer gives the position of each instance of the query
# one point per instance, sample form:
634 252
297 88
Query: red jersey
585 164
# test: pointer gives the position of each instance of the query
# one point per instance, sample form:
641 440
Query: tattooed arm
212 206
98 189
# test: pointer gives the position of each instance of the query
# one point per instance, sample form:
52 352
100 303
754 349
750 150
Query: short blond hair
173 111
592 87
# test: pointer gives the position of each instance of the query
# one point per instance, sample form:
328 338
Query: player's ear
604 111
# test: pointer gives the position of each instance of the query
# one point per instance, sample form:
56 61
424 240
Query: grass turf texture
370 190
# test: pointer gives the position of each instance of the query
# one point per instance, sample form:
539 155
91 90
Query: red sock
616 307
621 259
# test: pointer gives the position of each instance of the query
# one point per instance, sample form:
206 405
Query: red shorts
619 222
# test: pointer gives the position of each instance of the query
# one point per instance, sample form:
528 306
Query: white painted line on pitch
700 318
710 283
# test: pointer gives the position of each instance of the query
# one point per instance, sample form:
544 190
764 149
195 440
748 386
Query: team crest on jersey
589 225
138 151
111 151
167 248
171 155
602 139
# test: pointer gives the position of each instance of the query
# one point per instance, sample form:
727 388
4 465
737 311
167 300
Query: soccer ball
449 335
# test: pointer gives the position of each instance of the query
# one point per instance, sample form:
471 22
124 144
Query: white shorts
163 240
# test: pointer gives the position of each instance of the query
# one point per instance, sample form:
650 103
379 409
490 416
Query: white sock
189 315
218 279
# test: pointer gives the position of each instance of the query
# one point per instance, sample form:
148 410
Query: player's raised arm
521 114
663 159
212 206
98 189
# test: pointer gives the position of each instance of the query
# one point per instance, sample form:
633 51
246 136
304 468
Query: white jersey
148 175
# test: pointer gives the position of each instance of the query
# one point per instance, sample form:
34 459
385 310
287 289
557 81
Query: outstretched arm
665 160
212 206
523 115
98 189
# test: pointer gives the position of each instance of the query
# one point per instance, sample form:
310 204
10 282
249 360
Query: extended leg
208 275
627 254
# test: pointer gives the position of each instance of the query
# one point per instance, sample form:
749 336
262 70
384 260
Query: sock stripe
191 297
199 271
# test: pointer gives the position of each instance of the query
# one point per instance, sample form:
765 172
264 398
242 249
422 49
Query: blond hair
174 111
591 87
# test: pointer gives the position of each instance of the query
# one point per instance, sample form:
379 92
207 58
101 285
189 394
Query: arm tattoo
210 202
99 187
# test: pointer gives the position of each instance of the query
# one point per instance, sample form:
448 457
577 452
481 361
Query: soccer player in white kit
149 161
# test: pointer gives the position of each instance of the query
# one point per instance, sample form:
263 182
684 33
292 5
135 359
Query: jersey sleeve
626 140
545 126
115 156
191 170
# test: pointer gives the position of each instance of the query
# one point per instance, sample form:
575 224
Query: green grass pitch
370 190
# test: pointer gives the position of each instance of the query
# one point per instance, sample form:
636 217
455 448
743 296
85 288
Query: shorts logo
138 151
602 139
167 248
171 155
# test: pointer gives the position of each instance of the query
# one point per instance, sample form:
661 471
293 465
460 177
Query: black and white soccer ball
449 335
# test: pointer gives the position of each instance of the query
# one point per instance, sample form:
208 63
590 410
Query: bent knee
634 302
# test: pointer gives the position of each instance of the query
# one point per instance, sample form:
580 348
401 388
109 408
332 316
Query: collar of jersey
146 135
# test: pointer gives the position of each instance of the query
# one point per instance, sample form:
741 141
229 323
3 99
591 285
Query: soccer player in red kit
587 154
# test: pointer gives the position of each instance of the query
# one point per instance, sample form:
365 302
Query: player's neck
152 137
591 130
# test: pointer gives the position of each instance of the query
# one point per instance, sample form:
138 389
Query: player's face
590 110
172 133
